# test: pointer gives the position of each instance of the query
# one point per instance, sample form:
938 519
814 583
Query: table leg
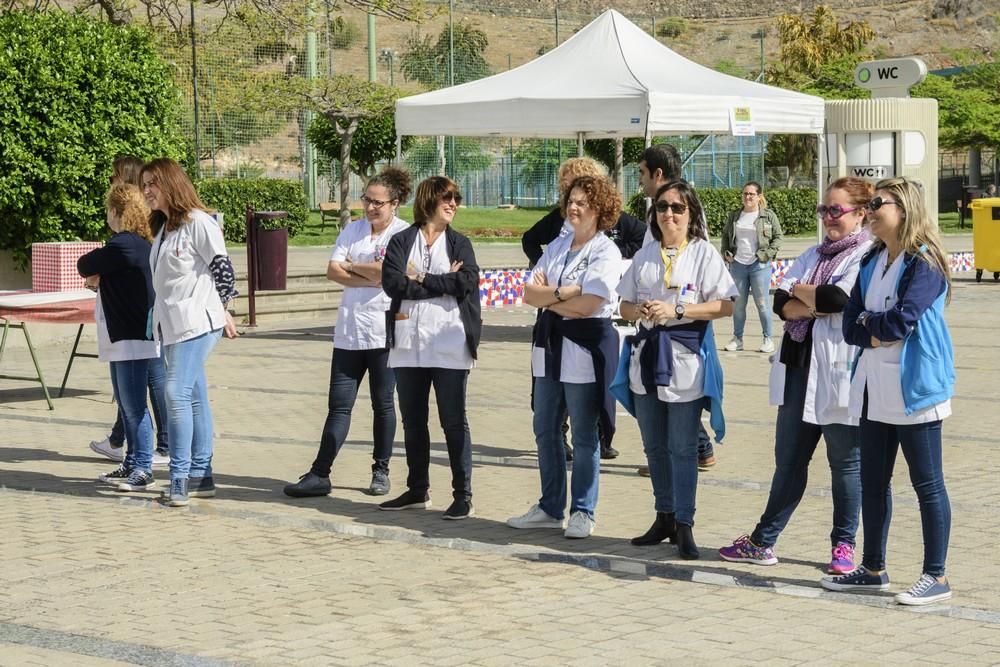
34 360
72 355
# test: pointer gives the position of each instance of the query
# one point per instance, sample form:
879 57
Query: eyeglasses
374 203
835 212
450 196
878 202
676 208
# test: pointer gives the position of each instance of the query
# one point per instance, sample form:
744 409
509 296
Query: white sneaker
580 525
767 347
160 460
105 449
536 517
734 345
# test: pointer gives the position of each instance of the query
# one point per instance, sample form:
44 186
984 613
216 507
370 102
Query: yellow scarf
669 261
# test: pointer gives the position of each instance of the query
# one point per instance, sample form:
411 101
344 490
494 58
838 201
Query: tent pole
820 142
579 144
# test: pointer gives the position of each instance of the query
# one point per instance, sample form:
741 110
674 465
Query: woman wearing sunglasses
810 382
751 239
359 339
902 386
433 330
673 289
574 355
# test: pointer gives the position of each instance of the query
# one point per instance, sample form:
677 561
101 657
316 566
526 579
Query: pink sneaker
841 559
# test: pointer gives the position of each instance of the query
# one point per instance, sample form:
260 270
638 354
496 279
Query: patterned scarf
831 254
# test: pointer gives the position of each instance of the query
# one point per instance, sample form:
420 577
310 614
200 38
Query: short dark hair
696 228
665 158
429 192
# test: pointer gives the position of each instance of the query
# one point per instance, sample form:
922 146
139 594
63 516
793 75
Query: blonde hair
578 167
127 204
917 234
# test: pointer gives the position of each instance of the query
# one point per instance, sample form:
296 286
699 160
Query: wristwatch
679 311
863 318
557 295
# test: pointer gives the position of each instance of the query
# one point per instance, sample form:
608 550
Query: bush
344 34
795 207
232 196
74 94
672 28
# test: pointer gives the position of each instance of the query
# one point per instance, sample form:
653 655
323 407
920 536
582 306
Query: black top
126 284
462 284
628 234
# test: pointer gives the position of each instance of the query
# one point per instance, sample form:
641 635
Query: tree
373 142
427 61
967 112
468 155
66 112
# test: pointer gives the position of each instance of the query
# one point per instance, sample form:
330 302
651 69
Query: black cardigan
126 284
462 284
628 234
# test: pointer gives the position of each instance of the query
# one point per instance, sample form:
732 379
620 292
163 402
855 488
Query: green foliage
603 150
373 142
539 160
427 61
343 33
232 196
730 67
468 155
672 27
795 207
968 106
809 42
74 94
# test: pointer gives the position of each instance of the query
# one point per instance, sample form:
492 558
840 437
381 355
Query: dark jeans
413 385
794 444
670 439
157 401
347 370
921 444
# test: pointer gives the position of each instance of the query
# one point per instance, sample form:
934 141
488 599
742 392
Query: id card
687 294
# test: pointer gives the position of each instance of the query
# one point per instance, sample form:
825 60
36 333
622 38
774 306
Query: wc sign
890 78
873 172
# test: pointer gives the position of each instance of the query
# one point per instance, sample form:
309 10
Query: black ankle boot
663 529
685 543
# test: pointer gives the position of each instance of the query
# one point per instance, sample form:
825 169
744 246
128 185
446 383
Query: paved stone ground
91 577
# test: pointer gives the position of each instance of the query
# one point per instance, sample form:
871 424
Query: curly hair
576 167
602 197
126 203
397 181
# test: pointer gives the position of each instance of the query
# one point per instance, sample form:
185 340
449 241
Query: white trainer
767 347
580 526
105 449
734 345
536 517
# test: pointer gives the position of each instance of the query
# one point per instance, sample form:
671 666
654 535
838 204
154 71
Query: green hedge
795 207
231 196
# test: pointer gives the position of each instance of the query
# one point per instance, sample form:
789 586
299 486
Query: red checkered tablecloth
72 307
53 265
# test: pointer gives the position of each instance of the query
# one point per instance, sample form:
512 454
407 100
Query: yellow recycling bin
986 236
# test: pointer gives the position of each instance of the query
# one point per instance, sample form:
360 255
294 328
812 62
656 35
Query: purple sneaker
841 559
745 551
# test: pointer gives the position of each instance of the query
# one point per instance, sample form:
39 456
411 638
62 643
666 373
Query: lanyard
670 257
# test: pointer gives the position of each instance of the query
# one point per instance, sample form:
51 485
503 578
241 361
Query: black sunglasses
677 207
451 197
878 202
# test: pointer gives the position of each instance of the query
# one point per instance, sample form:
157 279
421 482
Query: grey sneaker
116 476
178 496
309 485
380 483
106 449
860 579
927 590
139 480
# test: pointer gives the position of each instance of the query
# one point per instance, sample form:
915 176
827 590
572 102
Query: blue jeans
347 370
756 279
794 444
921 444
158 402
583 402
670 439
128 381
414 386
190 417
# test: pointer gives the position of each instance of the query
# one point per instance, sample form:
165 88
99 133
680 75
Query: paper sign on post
741 122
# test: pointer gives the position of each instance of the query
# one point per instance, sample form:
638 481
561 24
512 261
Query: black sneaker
309 485
459 509
609 452
139 480
116 476
380 483
410 500
201 487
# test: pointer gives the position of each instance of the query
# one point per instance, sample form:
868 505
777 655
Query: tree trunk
440 152
619 173
346 137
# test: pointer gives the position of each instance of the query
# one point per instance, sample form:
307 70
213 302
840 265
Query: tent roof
610 79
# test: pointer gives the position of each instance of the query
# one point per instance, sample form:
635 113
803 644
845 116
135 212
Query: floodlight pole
194 85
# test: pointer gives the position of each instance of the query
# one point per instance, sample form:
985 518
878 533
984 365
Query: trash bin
986 236
272 250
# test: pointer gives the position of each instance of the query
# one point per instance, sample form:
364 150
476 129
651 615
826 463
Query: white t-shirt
187 304
431 334
123 350
361 316
699 275
746 238
879 368
596 268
